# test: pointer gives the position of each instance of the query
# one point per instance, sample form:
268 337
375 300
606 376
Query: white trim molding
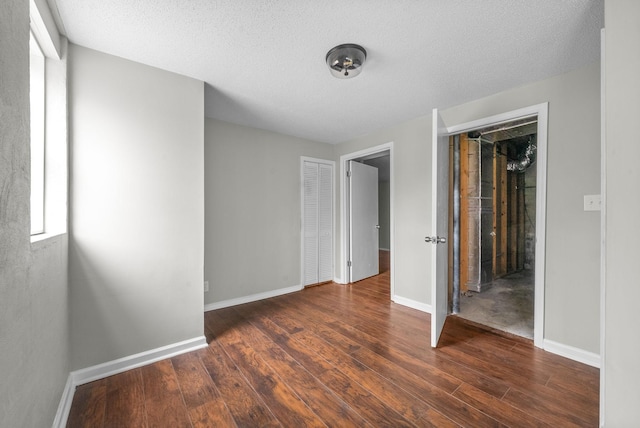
576 354
603 225
44 27
413 304
110 368
60 421
251 298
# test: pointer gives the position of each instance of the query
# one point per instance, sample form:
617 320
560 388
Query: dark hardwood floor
337 355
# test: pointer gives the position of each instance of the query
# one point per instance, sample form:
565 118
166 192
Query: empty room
289 213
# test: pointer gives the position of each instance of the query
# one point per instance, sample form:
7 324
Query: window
48 124
37 100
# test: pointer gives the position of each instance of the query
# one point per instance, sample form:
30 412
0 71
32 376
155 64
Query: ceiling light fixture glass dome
346 60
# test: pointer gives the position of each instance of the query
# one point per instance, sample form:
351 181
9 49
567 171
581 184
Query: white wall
34 356
572 278
137 207
622 317
252 193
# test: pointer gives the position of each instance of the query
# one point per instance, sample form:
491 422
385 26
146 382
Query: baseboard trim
62 414
100 371
576 354
110 368
252 298
412 304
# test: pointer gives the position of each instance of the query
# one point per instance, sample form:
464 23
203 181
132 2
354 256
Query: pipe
456 226
524 160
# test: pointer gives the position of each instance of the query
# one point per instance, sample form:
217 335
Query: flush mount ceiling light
346 60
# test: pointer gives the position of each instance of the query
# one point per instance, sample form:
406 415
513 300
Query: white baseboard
251 298
101 371
412 304
576 354
60 421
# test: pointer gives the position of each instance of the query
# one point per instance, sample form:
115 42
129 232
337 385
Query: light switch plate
592 202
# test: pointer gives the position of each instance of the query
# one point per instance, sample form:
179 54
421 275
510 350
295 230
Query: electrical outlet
206 286
592 202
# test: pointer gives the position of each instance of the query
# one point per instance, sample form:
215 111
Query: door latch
435 239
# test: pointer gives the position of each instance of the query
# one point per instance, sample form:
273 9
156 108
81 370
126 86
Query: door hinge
348 263
348 173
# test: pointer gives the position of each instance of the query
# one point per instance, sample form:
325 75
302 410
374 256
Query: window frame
37 109
51 177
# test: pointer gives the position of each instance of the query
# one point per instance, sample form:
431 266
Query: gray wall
34 340
572 271
622 317
137 207
252 194
572 286
411 193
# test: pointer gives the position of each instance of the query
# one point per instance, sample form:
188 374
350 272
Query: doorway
381 161
380 158
495 182
440 177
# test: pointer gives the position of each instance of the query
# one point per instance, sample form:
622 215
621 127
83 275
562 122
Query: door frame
344 210
542 113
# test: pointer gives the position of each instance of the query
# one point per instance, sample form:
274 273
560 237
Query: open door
439 227
364 227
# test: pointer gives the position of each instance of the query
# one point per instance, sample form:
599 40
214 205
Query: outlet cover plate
592 202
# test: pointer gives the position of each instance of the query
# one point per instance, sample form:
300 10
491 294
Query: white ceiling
263 61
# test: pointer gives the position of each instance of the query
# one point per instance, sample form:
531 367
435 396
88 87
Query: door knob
435 239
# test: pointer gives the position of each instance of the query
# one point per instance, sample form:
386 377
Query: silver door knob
377 226
435 239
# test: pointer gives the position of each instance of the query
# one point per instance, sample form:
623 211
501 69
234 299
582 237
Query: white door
363 221
439 227
325 223
317 222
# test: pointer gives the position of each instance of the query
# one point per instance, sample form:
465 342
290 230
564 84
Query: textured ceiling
263 61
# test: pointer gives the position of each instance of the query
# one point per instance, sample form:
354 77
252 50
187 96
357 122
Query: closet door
317 218
325 223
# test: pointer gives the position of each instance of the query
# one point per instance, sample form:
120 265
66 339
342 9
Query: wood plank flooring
341 356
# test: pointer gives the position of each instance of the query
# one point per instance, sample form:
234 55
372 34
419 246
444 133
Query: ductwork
524 158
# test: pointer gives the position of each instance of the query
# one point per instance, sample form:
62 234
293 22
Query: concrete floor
506 305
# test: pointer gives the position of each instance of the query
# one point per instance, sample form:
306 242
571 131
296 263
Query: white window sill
42 237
